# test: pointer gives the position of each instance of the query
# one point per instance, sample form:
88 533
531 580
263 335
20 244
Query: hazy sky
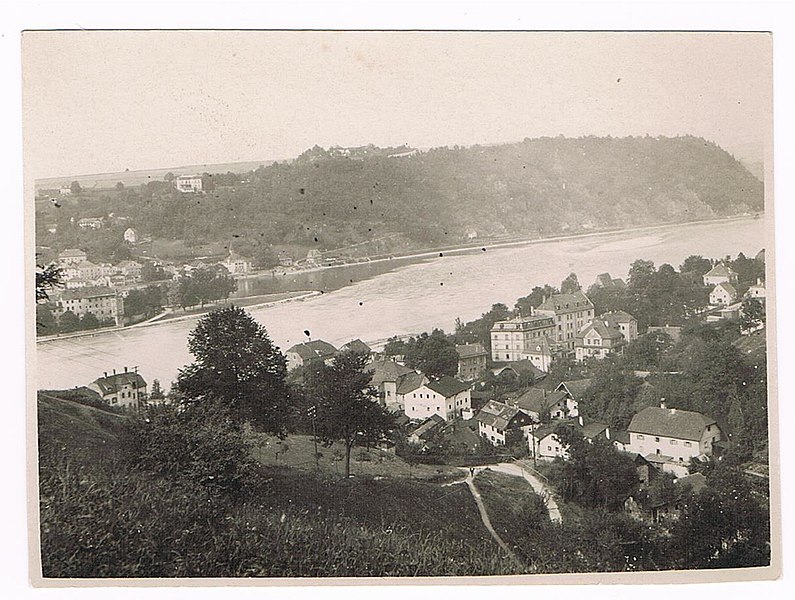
105 101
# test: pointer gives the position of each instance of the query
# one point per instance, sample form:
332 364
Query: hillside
103 517
328 200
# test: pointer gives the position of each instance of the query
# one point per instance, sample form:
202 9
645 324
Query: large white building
511 339
188 183
445 397
570 313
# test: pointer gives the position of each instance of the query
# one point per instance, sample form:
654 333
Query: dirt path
484 515
538 485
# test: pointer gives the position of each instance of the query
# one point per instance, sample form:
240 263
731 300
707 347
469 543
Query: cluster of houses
724 298
561 324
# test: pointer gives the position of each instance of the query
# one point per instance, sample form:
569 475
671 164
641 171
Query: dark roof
409 381
519 367
427 426
542 345
537 400
576 387
314 349
670 422
696 481
619 283
357 345
71 252
88 292
592 430
112 383
497 414
470 350
448 386
622 437
575 301
386 370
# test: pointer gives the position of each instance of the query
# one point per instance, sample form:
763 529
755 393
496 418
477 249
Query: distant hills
339 198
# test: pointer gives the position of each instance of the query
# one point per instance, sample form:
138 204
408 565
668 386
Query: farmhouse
720 274
446 397
723 294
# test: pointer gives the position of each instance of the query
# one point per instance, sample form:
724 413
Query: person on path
471 471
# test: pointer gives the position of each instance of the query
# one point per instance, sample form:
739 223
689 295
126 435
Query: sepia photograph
493 307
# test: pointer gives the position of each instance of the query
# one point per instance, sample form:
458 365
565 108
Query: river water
378 300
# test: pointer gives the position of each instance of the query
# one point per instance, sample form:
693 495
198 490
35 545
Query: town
634 397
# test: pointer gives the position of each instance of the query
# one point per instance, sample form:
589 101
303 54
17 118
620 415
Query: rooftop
670 422
111 384
566 302
470 350
313 349
448 386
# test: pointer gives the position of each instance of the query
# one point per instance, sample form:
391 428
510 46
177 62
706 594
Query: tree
89 321
157 391
69 322
45 320
168 176
119 186
697 265
433 354
570 284
236 365
534 299
752 314
47 278
75 187
347 406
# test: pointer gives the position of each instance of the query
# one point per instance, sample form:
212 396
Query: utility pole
312 412
533 435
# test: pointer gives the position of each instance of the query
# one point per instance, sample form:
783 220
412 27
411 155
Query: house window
688 444
656 439
673 442
640 437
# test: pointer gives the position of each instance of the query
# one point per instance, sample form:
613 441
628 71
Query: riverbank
170 316
491 244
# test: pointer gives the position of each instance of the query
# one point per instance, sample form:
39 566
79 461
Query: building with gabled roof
671 436
720 273
306 353
130 236
71 256
357 346
598 340
757 290
570 313
446 397
723 294
500 423
386 375
576 388
518 368
125 390
544 443
605 281
471 360
543 405
623 321
427 430
511 338
103 302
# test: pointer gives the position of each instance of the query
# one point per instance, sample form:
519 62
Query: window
673 442
656 439
640 437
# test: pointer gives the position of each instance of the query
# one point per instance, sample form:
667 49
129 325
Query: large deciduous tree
432 354
347 409
237 366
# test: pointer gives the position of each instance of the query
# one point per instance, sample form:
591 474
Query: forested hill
539 187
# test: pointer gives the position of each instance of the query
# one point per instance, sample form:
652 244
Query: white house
757 290
446 397
543 442
510 339
386 375
126 390
188 183
670 437
598 340
543 405
71 256
237 265
540 352
131 236
723 294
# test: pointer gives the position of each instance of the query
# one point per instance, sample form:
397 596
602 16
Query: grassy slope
100 519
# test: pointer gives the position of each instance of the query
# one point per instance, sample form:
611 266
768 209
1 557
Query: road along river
375 301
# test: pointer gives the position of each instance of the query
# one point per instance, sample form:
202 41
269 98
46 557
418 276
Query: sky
96 102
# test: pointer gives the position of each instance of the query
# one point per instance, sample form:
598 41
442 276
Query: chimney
125 369
114 371
662 403
105 374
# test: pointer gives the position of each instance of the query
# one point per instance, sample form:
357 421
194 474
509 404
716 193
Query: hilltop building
188 183
90 223
126 390
720 274
131 236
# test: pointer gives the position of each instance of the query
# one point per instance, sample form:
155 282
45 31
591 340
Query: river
375 301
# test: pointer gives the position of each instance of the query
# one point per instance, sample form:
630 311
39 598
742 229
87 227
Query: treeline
538 187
